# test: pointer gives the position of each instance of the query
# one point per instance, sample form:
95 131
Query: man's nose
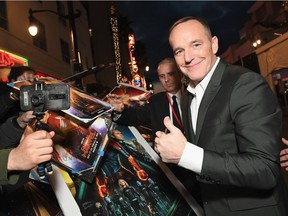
166 78
189 55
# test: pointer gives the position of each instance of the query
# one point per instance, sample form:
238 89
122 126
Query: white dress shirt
192 156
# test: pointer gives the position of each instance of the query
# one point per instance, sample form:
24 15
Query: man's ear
215 46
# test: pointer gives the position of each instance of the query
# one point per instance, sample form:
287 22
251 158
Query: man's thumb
168 124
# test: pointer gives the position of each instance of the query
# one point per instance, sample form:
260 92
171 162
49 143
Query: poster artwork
77 149
131 96
132 181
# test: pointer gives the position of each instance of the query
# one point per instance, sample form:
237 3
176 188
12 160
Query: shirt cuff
192 158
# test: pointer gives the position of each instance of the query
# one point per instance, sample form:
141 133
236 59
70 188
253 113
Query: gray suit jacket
238 126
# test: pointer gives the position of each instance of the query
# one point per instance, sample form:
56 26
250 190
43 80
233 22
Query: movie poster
132 181
77 149
85 107
131 96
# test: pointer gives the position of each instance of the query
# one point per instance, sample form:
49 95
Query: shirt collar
178 94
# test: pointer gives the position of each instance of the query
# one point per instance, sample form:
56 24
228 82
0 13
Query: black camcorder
40 97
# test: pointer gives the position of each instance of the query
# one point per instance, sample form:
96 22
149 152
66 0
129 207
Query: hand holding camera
39 98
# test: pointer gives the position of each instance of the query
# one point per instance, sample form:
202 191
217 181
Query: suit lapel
186 116
210 92
161 107
165 105
163 102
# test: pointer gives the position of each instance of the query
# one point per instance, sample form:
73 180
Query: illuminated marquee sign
131 47
10 59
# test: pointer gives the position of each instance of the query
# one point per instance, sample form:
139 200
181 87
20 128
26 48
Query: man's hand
34 149
116 101
25 118
284 155
170 146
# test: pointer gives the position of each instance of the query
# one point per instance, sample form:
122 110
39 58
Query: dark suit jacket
10 133
151 113
238 126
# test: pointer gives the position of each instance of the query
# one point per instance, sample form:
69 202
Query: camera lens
37 100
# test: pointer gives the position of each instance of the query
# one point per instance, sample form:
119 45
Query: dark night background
151 20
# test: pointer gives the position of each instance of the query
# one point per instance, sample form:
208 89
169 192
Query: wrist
21 123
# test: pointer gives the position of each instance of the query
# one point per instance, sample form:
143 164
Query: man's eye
178 52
